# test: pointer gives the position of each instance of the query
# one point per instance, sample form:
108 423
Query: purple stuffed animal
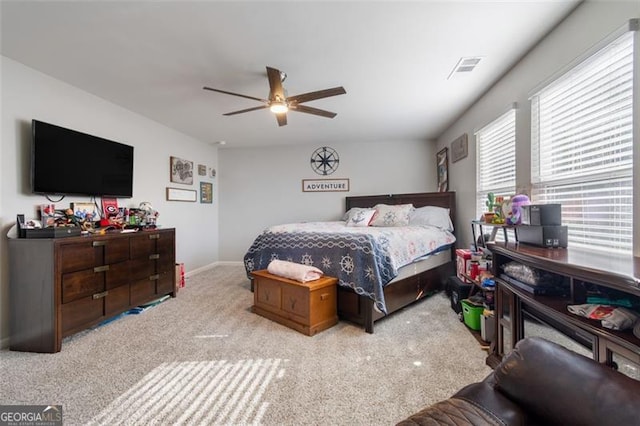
514 215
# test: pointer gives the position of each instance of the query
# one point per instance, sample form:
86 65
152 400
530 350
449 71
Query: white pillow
353 210
359 217
392 215
433 216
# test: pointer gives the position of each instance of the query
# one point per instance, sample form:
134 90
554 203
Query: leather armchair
540 383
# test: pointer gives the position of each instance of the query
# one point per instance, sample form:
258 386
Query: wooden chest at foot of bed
309 307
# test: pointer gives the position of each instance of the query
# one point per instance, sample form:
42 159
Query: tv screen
64 161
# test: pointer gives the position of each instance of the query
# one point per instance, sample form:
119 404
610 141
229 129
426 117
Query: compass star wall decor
325 161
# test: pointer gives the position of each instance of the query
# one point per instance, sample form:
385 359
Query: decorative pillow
359 217
432 216
391 215
353 211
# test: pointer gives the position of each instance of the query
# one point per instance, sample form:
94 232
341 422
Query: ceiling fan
280 104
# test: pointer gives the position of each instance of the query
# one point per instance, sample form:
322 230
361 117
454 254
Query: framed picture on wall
442 167
179 194
459 148
206 192
181 171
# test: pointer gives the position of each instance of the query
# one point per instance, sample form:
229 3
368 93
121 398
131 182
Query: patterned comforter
362 258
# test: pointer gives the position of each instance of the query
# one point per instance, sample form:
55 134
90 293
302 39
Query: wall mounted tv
64 162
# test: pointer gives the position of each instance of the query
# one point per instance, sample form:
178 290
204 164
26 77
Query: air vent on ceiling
465 65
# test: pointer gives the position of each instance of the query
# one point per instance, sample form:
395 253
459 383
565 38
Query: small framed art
179 194
206 192
86 211
181 171
459 148
442 164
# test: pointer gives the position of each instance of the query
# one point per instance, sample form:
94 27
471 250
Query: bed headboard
420 199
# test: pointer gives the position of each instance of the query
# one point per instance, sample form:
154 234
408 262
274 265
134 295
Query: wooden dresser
306 307
580 271
61 286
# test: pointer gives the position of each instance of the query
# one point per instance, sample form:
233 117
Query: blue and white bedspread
362 258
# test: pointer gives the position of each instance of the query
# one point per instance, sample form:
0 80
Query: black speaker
543 236
542 214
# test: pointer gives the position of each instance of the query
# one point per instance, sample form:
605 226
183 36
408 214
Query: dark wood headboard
420 199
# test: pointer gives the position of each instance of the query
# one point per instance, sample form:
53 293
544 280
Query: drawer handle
154 236
325 296
99 243
101 268
154 256
100 295
154 277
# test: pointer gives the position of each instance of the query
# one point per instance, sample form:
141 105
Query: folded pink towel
294 271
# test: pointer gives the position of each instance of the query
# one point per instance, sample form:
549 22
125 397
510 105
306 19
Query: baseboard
4 343
213 265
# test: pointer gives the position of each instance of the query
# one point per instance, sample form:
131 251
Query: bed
373 284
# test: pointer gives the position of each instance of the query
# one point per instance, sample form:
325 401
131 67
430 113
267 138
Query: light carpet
204 358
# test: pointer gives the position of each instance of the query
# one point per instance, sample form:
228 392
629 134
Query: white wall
28 94
263 186
590 23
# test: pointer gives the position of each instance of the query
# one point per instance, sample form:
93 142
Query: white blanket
294 271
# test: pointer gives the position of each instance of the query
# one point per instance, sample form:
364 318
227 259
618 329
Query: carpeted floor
204 358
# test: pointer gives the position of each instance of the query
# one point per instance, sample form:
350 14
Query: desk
494 231
582 271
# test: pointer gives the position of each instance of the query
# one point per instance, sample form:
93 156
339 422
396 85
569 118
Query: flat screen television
68 162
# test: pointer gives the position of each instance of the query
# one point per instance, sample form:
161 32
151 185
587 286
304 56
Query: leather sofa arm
482 394
563 387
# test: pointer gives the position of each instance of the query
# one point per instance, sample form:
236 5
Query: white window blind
582 148
496 159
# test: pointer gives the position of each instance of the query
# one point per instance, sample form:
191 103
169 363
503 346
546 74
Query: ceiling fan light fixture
279 107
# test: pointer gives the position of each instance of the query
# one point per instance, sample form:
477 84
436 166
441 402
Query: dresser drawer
165 283
76 257
116 250
142 268
90 253
165 245
76 285
118 300
77 314
142 291
118 274
149 243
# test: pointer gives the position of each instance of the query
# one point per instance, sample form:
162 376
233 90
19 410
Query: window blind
582 148
496 159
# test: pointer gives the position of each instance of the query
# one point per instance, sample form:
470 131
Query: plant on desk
494 209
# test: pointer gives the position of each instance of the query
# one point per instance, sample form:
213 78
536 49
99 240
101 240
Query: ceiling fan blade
282 119
275 84
314 111
311 96
235 94
247 110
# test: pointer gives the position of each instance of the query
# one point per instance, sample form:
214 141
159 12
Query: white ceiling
393 58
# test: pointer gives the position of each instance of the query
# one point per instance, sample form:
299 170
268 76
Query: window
582 148
496 159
